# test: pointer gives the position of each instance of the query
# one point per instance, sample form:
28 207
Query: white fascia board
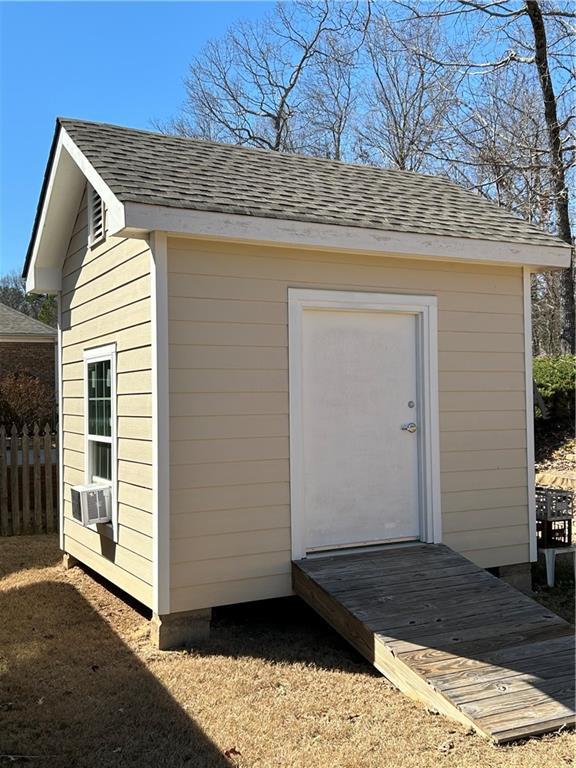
141 218
41 278
27 339
114 208
69 172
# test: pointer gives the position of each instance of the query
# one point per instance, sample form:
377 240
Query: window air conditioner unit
92 504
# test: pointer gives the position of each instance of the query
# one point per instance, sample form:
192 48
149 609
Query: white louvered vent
96 223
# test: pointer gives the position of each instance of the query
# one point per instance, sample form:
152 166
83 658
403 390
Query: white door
359 388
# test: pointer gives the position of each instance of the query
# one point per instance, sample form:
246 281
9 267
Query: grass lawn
82 686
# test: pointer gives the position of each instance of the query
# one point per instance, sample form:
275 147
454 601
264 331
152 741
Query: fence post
48 479
37 480
14 472
26 521
4 528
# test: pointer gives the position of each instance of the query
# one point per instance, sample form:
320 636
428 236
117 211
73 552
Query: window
96 215
100 418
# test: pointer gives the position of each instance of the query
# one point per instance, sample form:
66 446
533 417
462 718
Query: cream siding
230 517
106 298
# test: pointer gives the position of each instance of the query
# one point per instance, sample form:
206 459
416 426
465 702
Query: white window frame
92 240
98 355
424 308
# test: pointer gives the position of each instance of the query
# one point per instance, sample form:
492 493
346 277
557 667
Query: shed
268 356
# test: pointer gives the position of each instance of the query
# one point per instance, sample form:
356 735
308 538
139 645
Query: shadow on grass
282 630
73 694
20 553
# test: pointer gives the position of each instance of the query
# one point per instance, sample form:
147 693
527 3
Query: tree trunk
556 165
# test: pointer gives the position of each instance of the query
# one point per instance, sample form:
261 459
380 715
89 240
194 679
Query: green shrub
555 378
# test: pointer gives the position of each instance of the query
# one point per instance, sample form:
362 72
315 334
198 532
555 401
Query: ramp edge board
345 589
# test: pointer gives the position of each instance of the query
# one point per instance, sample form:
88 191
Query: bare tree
331 97
503 154
546 314
557 163
495 144
407 99
494 38
248 88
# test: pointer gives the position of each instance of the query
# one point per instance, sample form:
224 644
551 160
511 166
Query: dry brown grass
82 686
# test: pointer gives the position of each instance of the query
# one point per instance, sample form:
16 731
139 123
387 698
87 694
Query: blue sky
115 62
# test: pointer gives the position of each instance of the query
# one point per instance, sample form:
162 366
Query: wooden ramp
449 634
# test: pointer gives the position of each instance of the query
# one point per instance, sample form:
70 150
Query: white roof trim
23 338
114 208
70 169
68 174
140 218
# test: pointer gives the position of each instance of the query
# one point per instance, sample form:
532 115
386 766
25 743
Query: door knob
410 427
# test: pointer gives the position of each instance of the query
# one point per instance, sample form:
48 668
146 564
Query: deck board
450 635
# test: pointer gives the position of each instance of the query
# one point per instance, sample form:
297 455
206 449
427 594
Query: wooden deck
449 634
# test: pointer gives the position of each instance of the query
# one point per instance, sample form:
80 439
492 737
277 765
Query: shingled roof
14 323
156 169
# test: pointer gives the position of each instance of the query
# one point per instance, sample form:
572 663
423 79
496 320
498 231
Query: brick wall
37 358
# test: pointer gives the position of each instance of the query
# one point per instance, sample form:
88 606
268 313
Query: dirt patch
275 687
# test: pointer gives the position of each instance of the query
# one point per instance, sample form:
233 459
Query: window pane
101 461
100 398
107 381
107 418
91 380
99 417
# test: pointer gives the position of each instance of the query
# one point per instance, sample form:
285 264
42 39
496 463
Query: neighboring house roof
192 174
14 323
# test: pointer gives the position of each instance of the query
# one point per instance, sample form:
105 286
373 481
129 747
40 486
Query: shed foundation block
518 576
69 561
177 630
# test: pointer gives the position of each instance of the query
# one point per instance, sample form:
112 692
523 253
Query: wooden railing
28 480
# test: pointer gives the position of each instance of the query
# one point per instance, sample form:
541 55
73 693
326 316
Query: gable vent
96 230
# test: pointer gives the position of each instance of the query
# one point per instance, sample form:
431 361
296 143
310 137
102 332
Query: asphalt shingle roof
14 323
157 169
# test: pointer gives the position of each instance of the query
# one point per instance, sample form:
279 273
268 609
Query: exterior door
359 393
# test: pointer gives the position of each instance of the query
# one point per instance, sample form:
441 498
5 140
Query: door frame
424 309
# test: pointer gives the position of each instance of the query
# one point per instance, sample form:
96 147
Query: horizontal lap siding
228 313
105 299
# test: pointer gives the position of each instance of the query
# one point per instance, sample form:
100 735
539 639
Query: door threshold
367 548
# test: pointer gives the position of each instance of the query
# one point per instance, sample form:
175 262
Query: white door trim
424 308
